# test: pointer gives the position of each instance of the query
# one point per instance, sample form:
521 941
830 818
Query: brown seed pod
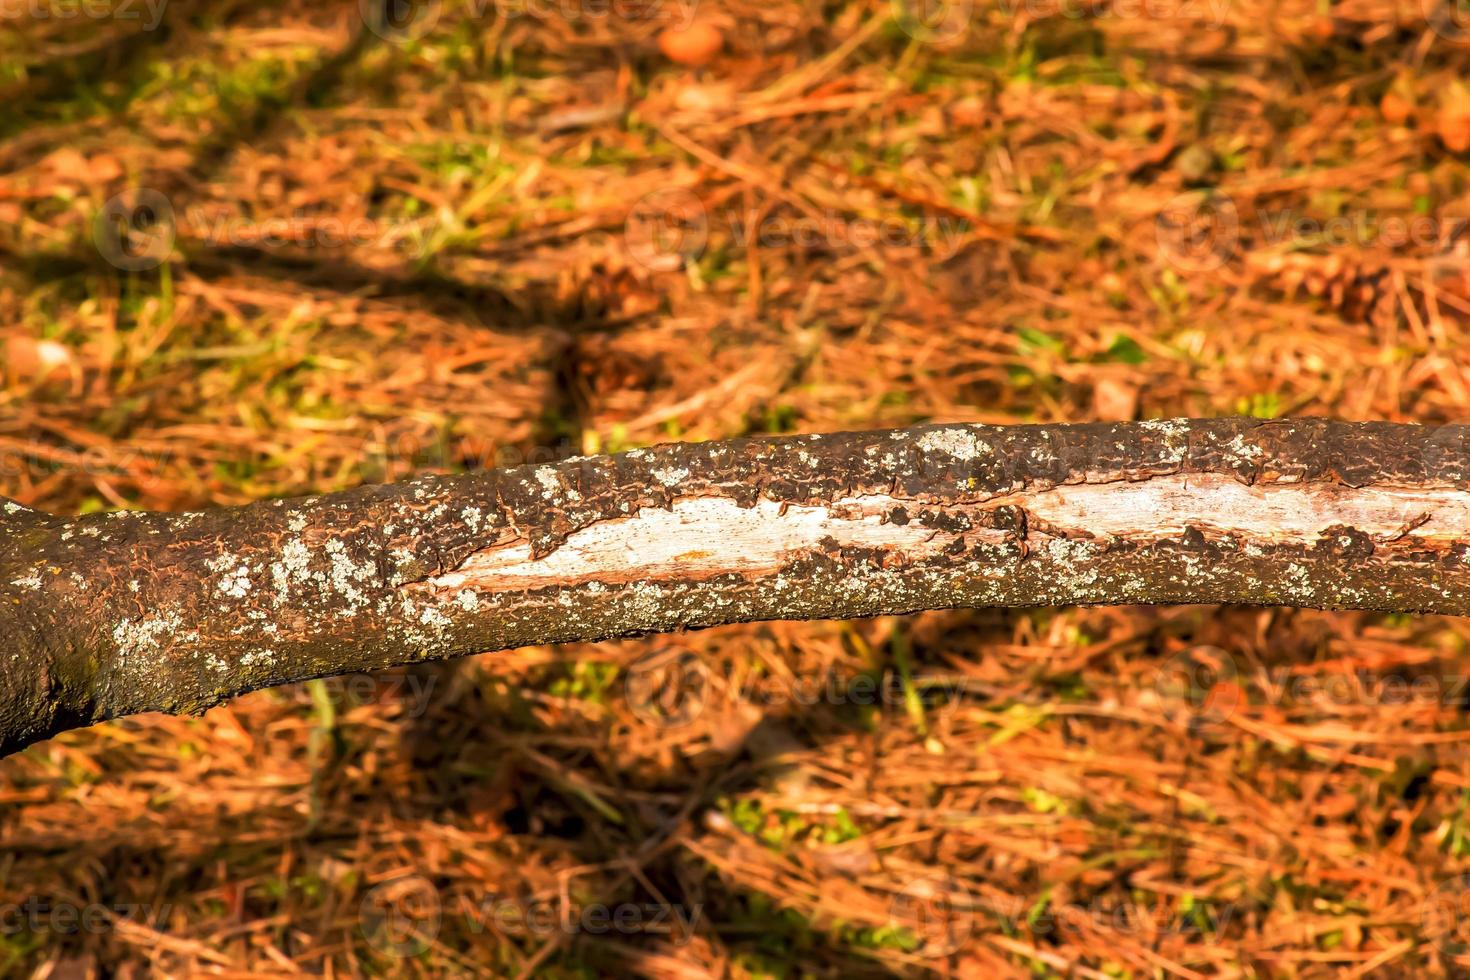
694 45
1395 108
1453 123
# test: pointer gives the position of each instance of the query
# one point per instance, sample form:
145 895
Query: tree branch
112 614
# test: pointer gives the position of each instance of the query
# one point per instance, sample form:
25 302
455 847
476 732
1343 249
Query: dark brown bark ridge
113 614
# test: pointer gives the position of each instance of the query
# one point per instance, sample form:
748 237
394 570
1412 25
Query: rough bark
112 614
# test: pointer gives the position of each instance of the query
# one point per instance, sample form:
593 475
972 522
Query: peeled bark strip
112 614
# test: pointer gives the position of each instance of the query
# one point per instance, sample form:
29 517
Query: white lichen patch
467 600
550 481
1239 451
402 559
473 518
294 566
957 442
254 657
346 575
138 638
1175 433
236 583
30 582
424 626
1169 427
435 620
645 599
11 507
1068 552
234 575
671 476
1298 578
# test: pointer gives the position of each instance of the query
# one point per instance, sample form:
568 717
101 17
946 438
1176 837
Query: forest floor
257 249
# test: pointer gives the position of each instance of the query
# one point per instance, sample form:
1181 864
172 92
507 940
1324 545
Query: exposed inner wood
1269 513
705 536
699 537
